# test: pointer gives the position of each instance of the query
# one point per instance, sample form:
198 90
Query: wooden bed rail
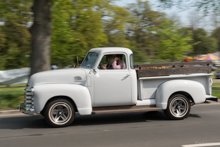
170 68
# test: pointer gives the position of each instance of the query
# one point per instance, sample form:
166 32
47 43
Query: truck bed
147 86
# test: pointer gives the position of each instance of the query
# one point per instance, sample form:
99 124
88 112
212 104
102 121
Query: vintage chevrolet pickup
99 87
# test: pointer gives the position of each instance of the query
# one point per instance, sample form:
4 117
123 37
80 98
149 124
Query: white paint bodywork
116 87
94 87
79 94
107 92
61 76
195 89
50 84
198 86
148 86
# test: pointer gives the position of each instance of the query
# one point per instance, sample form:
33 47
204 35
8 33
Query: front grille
29 100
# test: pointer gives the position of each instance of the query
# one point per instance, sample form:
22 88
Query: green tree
172 43
205 44
62 44
216 35
17 44
115 26
133 30
206 5
2 48
15 37
139 24
77 27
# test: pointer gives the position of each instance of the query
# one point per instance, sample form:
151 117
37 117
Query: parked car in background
217 74
213 67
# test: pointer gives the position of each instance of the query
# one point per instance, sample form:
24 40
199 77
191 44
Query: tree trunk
41 36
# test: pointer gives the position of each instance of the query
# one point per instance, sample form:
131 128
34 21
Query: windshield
89 60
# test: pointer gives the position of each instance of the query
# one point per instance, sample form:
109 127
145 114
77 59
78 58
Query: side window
113 61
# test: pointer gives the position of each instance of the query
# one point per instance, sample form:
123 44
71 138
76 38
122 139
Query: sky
182 15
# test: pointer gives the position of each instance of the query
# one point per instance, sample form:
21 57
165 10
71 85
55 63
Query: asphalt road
150 129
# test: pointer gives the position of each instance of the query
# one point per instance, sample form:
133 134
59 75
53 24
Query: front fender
195 89
79 94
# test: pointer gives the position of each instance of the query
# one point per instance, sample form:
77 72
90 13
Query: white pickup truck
98 87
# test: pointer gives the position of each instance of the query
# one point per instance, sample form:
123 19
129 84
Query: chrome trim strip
29 93
28 101
28 97
28 105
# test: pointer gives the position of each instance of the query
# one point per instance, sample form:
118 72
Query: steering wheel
100 66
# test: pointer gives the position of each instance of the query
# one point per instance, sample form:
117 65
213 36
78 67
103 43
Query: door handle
126 76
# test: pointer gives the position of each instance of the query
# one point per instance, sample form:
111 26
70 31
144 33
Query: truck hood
60 76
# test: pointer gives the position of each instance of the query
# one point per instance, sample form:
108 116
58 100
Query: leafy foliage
216 35
14 34
206 44
80 25
205 5
77 30
172 44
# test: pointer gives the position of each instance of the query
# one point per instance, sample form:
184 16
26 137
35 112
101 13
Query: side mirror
94 71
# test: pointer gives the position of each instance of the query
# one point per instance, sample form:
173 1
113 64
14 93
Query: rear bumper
212 98
26 110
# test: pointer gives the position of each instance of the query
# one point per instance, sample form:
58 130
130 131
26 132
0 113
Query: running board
124 109
211 98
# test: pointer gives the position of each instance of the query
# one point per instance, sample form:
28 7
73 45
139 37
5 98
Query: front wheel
59 113
178 107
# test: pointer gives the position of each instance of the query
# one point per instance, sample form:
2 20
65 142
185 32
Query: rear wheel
59 113
178 107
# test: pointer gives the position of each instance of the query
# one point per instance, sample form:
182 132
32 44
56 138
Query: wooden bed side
171 68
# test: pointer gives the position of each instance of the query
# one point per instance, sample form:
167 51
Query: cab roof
112 49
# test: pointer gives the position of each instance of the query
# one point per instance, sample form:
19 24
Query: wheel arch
60 97
188 88
183 93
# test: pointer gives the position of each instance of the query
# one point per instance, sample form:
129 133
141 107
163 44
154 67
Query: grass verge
216 84
216 93
11 86
10 98
215 88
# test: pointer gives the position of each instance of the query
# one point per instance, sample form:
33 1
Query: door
112 87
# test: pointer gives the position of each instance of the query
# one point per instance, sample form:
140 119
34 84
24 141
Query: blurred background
155 30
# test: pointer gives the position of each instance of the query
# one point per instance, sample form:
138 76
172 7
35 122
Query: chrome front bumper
26 110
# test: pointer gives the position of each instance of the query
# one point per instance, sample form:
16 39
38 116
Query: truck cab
111 87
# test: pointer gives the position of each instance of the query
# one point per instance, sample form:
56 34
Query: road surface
150 129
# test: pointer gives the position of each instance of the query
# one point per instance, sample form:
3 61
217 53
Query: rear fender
195 89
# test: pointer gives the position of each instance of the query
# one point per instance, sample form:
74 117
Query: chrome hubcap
179 107
60 113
